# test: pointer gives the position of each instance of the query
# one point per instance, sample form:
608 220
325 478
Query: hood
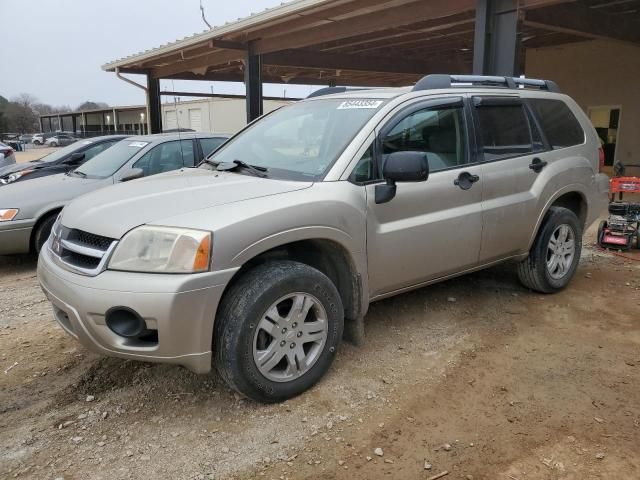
18 167
113 211
41 194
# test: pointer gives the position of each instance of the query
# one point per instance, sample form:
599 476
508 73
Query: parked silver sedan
28 210
60 140
7 157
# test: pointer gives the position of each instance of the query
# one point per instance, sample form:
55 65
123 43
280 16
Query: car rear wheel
555 254
53 144
277 331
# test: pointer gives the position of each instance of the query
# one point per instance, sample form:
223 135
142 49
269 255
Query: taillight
6 151
601 158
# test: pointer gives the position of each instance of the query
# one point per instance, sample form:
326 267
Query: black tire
43 230
242 308
601 227
532 271
53 144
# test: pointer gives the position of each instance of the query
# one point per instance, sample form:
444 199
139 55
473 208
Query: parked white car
7 157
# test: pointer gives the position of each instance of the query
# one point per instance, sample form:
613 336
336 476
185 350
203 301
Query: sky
54 49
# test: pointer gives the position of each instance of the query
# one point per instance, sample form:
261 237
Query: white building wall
221 115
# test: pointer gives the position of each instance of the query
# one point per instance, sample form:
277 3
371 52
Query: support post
73 124
154 108
41 126
253 84
496 43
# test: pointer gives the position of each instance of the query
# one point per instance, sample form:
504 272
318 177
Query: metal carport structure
376 42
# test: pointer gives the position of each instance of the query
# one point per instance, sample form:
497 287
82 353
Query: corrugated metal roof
254 19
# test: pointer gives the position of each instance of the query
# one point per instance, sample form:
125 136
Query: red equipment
621 228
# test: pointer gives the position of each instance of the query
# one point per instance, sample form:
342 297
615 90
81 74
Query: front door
430 229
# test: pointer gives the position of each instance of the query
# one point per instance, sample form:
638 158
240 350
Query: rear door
433 228
514 157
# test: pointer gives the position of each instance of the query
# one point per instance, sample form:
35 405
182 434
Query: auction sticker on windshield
138 144
351 104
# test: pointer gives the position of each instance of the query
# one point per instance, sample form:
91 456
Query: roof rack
331 90
431 82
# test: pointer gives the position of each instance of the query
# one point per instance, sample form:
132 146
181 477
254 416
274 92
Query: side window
188 158
94 150
504 131
364 170
162 158
209 145
438 132
558 122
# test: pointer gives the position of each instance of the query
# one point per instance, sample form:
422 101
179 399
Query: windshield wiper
76 172
256 170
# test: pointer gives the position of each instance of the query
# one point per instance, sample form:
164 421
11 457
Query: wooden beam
393 17
414 31
577 19
202 62
316 16
226 45
337 61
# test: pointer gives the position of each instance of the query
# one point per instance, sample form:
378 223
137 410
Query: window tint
558 122
504 131
166 157
439 133
209 145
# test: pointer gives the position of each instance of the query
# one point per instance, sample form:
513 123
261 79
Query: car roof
164 137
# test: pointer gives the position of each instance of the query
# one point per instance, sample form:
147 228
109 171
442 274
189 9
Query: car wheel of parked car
43 231
277 330
53 144
37 142
555 254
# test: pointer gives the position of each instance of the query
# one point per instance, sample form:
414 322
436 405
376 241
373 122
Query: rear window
558 122
504 131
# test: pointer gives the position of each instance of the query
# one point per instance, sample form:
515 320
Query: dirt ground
477 377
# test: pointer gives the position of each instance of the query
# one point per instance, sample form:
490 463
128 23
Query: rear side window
504 131
558 122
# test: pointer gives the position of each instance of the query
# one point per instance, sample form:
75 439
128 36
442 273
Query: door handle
466 180
537 165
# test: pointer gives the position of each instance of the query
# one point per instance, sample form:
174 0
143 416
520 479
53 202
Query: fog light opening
125 322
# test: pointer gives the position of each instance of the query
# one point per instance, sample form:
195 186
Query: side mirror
401 167
132 174
74 159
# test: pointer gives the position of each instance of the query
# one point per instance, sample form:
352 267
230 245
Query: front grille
80 251
79 260
90 240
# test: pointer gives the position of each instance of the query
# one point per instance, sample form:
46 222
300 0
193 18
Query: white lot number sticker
138 144
351 104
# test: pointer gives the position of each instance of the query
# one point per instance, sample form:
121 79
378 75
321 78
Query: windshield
63 152
111 160
300 141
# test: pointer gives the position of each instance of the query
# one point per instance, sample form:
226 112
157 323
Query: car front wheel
555 254
277 331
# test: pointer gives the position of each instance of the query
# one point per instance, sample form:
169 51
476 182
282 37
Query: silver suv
257 261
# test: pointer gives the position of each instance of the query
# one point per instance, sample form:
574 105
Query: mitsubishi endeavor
257 261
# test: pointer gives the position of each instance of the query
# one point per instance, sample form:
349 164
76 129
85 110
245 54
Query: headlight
14 176
7 214
163 250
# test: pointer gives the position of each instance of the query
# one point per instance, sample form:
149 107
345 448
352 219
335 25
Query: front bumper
181 308
15 236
